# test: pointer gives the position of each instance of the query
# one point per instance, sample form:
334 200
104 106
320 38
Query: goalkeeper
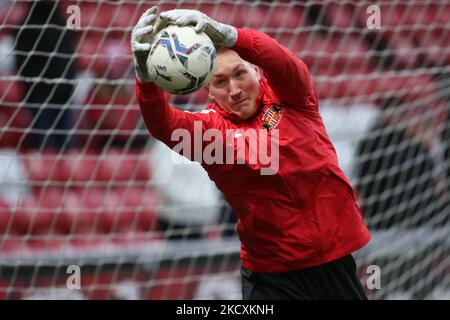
299 226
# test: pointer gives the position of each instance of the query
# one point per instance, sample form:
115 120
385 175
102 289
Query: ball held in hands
181 60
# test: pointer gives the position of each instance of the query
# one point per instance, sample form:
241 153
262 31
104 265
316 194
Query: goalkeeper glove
142 38
220 34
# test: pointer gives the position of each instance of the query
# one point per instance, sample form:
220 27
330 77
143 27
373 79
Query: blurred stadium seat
11 14
173 284
4 217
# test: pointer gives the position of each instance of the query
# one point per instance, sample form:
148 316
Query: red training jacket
303 215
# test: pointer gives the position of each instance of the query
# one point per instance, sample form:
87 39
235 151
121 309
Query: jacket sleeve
163 121
287 75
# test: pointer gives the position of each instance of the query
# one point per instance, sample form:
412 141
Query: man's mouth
239 102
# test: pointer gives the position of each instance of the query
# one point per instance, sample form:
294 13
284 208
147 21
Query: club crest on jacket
271 117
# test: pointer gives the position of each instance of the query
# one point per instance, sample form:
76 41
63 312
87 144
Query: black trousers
335 280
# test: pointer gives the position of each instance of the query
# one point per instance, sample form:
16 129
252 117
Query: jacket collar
266 97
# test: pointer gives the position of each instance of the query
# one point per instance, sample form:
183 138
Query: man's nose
235 91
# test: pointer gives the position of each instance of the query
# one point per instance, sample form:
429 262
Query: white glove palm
142 38
221 34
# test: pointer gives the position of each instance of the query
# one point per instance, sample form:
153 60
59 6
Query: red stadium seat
108 13
74 168
86 48
99 210
127 15
285 17
294 42
125 210
173 284
407 88
110 212
94 16
90 213
404 49
340 15
42 167
5 217
95 286
116 55
12 288
342 54
103 284
435 45
106 56
10 91
398 38
351 53
79 167
254 17
40 221
424 15
12 245
12 13
119 166
42 214
262 17
111 114
85 208
426 27
141 203
225 13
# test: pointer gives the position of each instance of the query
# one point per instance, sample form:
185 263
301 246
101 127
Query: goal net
91 207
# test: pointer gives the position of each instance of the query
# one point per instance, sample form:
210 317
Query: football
181 61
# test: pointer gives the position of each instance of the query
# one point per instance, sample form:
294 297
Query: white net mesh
82 184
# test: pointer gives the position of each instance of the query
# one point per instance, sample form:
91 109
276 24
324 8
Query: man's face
234 84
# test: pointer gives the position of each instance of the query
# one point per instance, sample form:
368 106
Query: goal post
85 192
